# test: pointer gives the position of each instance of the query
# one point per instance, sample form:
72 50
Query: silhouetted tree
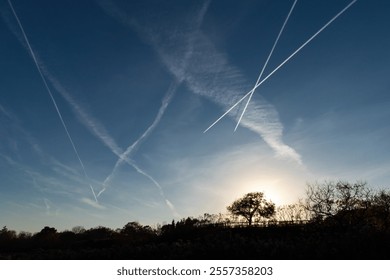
131 228
78 229
6 234
136 232
67 236
188 222
99 232
337 199
24 235
7 238
252 205
46 238
292 213
207 219
380 210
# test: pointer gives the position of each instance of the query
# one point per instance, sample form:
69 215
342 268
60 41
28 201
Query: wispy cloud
210 75
101 133
66 185
85 118
92 203
9 125
17 136
113 10
93 125
213 77
6 112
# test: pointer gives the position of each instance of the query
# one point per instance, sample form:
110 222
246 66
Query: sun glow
270 189
270 193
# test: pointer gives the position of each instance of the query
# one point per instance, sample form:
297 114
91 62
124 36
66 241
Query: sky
104 106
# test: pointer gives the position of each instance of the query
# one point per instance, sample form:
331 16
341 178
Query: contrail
167 202
100 132
51 96
124 156
266 63
164 104
84 117
143 173
211 76
284 62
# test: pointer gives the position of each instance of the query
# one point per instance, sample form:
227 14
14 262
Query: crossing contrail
266 63
284 62
51 96
209 74
125 155
101 133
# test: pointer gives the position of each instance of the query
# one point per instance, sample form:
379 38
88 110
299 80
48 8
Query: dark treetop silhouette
253 205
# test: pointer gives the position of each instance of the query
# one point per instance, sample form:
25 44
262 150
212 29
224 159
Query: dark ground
186 241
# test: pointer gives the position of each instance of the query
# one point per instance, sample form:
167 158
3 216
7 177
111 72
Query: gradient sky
137 83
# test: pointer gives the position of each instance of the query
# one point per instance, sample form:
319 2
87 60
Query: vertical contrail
51 96
266 63
284 62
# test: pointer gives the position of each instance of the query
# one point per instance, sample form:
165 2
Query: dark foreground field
188 241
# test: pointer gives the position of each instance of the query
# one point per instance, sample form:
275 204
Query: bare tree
292 213
330 198
350 196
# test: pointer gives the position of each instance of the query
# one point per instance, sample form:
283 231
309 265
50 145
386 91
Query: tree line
333 218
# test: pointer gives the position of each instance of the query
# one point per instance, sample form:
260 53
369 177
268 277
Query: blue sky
136 83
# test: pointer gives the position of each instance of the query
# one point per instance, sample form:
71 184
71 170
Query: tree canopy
252 205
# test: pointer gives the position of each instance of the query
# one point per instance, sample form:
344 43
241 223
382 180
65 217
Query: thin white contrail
145 174
124 156
284 62
266 62
84 117
164 104
99 131
167 202
51 96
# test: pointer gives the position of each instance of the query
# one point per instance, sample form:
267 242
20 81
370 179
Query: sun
270 189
